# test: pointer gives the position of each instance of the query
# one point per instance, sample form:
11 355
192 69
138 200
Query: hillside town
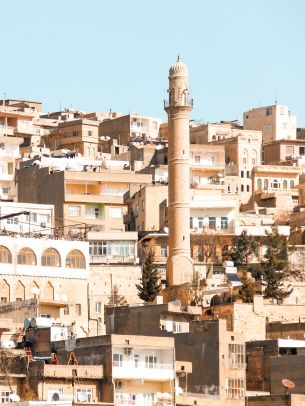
149 262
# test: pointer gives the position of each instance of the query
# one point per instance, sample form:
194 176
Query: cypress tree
149 286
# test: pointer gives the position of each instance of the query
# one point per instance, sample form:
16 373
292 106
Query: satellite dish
35 291
81 397
14 397
166 230
64 298
55 397
288 384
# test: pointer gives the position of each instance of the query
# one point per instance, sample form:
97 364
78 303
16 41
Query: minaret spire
179 266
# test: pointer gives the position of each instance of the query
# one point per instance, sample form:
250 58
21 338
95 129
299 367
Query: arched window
5 291
48 292
5 255
259 184
75 259
19 291
291 184
265 184
26 256
275 184
50 257
285 185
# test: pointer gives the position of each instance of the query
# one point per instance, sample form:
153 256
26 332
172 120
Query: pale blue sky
96 54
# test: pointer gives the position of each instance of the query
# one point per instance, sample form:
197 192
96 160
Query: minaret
179 266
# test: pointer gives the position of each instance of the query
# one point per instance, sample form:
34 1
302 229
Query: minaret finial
178 58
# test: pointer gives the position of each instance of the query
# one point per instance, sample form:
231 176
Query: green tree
246 291
244 248
276 266
149 286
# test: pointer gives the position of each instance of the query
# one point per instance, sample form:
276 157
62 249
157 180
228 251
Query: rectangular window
164 251
92 212
78 309
4 299
115 212
136 360
74 211
269 111
177 327
98 307
212 222
302 151
84 395
117 360
32 218
200 221
90 133
150 361
191 222
197 159
75 133
229 189
224 222
12 220
66 311
234 388
236 356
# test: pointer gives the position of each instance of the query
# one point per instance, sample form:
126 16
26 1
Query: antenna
275 96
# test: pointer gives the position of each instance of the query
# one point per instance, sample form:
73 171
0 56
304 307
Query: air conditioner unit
119 384
127 350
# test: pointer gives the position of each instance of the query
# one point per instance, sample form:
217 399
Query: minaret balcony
178 103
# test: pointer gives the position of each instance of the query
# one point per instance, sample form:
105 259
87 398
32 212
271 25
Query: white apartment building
36 218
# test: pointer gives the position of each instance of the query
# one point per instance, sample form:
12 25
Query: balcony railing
6 130
178 103
103 259
155 371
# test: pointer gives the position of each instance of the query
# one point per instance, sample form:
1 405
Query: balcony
152 372
274 192
212 230
70 196
73 371
6 130
184 102
25 129
277 169
112 259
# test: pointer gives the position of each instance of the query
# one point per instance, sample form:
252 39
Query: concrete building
9 152
271 361
285 152
197 344
274 121
179 267
80 135
40 218
82 197
130 127
121 369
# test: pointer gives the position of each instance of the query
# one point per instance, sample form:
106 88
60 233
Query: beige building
285 151
9 153
143 208
130 127
80 135
275 187
84 198
206 133
274 121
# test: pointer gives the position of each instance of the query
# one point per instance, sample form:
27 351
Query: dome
179 68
